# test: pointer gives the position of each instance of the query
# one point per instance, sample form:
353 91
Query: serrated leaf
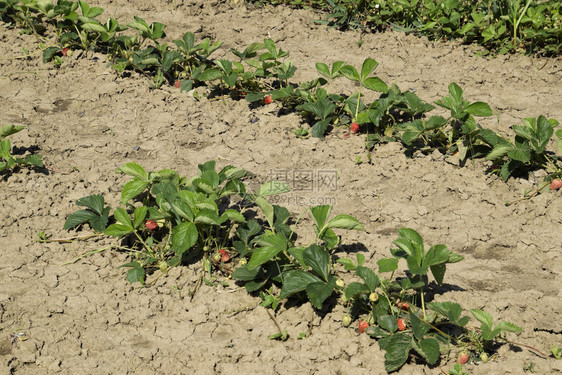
123 218
267 209
376 84
207 216
483 317
369 277
117 230
350 72
295 281
438 272
93 26
360 259
354 289
347 264
233 216
437 254
132 188
94 202
521 153
419 328
397 349
318 292
139 216
323 69
245 274
319 129
455 91
135 170
345 222
318 259
78 218
499 150
320 214
369 65
34 159
184 236
210 74
508 327
136 274
388 264
271 245
450 310
6 131
297 253
411 235
388 322
331 240
49 53
430 350
479 109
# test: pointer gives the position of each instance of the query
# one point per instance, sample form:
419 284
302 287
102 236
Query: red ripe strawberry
401 324
403 306
177 84
225 257
65 51
555 184
151 225
268 99
463 358
363 324
354 128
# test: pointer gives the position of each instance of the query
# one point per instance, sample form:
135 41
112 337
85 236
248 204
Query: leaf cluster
8 162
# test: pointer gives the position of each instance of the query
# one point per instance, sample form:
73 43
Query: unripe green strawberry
373 297
340 283
346 320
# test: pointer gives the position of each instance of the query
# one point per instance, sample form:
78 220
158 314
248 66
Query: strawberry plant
364 80
166 218
528 151
459 133
402 321
8 162
303 271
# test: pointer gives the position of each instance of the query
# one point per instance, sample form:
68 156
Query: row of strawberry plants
500 26
262 74
166 220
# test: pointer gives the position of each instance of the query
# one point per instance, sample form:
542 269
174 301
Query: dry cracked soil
86 121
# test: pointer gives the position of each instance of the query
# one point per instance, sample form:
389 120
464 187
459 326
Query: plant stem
423 304
525 346
70 239
274 320
530 195
85 255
